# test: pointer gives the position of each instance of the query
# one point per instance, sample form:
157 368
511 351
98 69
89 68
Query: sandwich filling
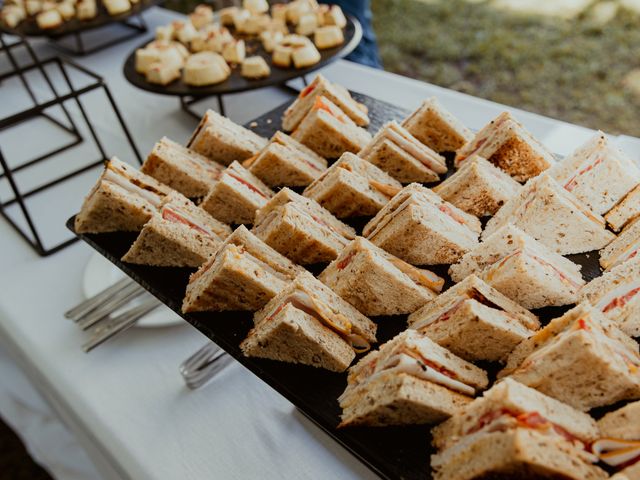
135 186
423 278
247 184
450 308
573 181
545 340
616 452
325 314
506 419
615 300
174 214
409 360
493 270
383 188
628 253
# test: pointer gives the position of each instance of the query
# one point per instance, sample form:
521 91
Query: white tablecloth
122 411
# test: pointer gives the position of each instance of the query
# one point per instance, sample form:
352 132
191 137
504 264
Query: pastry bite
67 10
307 24
86 9
306 323
270 39
329 36
305 56
437 128
478 187
158 51
201 16
409 380
475 321
234 51
227 15
184 32
255 67
378 283
509 146
205 68
161 74
243 274
580 358
117 7
49 19
256 6
333 15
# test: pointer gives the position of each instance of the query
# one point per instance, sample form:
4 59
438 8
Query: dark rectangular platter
391 452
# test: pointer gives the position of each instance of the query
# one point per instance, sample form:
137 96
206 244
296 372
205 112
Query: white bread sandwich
244 274
181 235
397 152
623 248
422 229
333 92
619 442
236 196
580 358
353 187
182 169
224 141
522 268
300 229
436 127
625 211
514 431
552 215
285 161
309 324
377 283
408 380
616 295
475 321
598 174
478 187
328 131
509 146
123 199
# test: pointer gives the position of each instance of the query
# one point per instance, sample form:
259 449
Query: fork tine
94 302
122 298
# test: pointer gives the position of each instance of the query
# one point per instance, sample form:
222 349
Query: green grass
569 70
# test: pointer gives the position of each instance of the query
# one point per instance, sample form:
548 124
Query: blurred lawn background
582 68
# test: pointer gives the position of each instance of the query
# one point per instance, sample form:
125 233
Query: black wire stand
78 47
39 109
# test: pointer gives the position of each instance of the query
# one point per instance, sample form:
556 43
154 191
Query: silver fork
123 297
90 304
202 366
114 325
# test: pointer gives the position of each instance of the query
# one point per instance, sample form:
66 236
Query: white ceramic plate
100 274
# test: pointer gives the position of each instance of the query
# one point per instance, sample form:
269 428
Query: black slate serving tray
29 27
391 452
237 83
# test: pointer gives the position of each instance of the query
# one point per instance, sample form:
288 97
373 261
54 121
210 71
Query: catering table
122 412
